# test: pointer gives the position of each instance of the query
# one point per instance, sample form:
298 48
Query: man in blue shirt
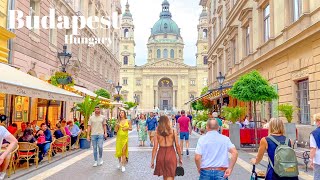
178 116
189 116
152 124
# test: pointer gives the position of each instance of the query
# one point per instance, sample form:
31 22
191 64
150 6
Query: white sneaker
2 175
95 164
123 169
100 162
119 166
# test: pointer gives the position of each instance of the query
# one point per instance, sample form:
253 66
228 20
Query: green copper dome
165 25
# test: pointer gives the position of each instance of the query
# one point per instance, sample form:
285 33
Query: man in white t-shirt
97 131
213 162
315 148
5 155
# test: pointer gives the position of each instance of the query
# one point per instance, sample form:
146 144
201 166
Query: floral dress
142 130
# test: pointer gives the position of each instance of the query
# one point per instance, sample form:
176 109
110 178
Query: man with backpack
315 148
283 164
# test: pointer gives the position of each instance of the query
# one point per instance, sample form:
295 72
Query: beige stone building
35 51
164 82
281 39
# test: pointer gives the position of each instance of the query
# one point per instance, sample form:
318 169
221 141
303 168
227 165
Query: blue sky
146 12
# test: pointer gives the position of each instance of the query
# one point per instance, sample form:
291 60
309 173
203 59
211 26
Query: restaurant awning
16 82
88 92
212 94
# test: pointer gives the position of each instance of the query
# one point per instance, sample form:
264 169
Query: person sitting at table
34 126
74 130
59 132
27 137
265 124
13 128
76 122
44 147
20 131
246 122
64 125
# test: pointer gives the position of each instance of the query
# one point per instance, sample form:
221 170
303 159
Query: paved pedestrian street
79 165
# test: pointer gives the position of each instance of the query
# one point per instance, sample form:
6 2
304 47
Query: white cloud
146 12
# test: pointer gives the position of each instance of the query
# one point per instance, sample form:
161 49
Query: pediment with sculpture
165 63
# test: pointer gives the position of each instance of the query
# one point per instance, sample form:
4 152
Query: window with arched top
172 53
165 53
125 60
158 53
205 34
126 33
165 25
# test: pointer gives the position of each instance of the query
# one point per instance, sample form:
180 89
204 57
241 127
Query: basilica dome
165 25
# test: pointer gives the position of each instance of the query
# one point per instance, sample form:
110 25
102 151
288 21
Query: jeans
97 142
43 149
212 175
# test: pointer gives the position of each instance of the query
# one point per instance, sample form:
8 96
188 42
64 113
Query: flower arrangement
62 78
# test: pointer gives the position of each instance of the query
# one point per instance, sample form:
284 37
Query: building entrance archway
165 89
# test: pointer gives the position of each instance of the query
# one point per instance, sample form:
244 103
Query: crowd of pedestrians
168 135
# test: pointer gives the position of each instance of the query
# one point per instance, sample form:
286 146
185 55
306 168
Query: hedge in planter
62 78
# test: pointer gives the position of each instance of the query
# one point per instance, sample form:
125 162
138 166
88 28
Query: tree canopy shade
103 93
253 87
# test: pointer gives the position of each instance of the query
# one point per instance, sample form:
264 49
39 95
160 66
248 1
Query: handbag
179 169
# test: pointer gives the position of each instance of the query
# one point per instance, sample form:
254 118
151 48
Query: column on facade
287 13
174 98
157 98
272 19
305 6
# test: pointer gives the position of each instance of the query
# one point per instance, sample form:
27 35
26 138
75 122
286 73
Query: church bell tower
127 43
202 42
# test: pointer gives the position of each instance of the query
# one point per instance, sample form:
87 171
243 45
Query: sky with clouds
146 12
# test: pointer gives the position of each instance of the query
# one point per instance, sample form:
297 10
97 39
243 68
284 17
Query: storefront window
21 109
2 103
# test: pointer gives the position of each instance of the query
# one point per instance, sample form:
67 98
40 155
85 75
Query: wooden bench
302 151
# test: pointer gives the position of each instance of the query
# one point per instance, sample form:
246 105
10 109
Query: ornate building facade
164 82
280 39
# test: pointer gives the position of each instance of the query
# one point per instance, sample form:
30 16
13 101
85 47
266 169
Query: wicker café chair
27 151
76 144
12 163
61 144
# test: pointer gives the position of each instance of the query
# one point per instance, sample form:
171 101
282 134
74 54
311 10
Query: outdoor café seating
247 135
26 152
60 145
12 163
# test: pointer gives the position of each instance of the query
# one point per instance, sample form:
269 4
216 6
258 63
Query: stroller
255 176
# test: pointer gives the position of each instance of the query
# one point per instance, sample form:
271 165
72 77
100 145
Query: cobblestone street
79 165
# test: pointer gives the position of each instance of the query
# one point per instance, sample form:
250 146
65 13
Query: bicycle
255 176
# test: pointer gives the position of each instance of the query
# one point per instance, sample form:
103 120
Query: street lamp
118 88
64 58
220 80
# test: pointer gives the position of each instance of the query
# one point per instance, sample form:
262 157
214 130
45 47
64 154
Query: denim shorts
184 136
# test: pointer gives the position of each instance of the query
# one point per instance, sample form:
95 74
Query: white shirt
4 133
214 149
97 123
313 144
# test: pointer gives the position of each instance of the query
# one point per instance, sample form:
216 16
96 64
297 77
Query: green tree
204 90
130 105
253 87
87 107
287 111
233 114
103 93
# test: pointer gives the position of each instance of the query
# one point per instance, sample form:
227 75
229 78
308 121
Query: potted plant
287 111
86 108
252 87
233 114
62 78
